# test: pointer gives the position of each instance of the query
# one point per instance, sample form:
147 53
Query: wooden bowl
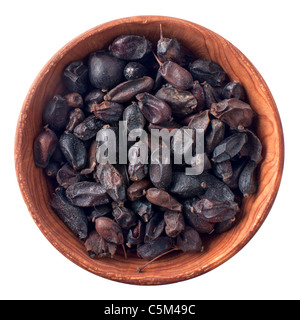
177 266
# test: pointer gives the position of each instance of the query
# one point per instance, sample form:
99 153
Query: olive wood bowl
176 266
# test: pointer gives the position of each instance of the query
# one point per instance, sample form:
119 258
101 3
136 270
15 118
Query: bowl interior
204 43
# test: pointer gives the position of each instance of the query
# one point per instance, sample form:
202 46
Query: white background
267 32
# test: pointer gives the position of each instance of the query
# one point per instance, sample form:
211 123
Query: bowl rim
144 19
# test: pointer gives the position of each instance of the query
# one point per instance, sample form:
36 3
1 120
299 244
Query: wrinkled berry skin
108 111
130 47
112 181
176 75
105 70
75 77
233 112
76 116
74 217
234 89
109 230
155 248
248 180
134 117
55 114
169 49
74 150
182 102
209 71
127 90
154 109
44 146
94 96
88 128
87 194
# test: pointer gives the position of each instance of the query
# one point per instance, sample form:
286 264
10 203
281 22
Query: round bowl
175 267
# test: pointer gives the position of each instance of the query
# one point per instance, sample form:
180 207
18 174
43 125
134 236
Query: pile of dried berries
152 208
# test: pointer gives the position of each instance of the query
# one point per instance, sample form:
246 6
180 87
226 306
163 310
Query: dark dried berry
66 176
237 167
216 211
176 75
138 189
97 247
229 147
154 227
233 112
234 89
105 70
155 248
58 156
163 199
211 95
247 179
99 211
194 220
43 147
74 217
136 235
143 208
158 81
181 102
88 128
55 115
214 188
76 116
76 78
122 168
199 94
154 109
110 231
169 125
126 91
174 223
125 217
74 100
130 47
112 181
134 70
137 167
189 240
169 49
223 170
87 194
108 111
224 226
253 147
185 186
209 71
93 97
215 135
52 169
134 117
74 150
161 174
199 121
92 161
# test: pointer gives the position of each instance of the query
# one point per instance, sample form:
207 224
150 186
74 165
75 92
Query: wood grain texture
177 266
